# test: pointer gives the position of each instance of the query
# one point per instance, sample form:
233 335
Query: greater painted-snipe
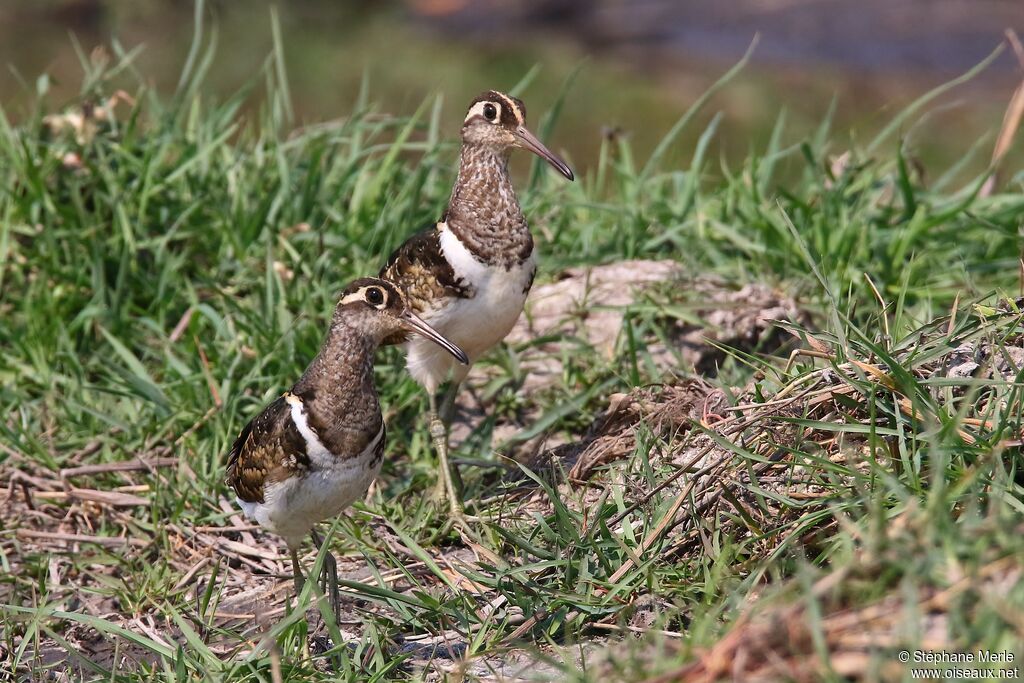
468 275
315 450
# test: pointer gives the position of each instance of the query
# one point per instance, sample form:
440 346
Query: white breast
475 324
291 508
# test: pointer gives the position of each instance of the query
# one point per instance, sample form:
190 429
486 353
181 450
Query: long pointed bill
417 325
528 140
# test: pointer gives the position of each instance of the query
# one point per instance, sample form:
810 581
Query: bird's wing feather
268 448
420 269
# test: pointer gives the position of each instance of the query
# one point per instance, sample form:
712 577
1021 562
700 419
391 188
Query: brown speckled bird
315 450
468 275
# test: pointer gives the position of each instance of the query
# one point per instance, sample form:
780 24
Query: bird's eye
374 296
490 111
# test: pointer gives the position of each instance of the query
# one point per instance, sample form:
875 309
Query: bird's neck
338 386
484 212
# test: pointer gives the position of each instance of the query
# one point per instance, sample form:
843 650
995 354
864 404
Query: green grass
162 286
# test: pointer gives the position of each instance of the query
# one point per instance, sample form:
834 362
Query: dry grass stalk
1011 120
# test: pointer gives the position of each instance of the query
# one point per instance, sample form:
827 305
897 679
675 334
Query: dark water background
642 62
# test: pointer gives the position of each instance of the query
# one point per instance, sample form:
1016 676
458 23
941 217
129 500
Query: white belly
291 508
476 324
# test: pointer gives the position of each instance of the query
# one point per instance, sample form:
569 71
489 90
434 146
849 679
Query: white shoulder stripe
314 446
465 265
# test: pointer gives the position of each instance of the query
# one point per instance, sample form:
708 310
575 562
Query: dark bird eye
490 111
374 296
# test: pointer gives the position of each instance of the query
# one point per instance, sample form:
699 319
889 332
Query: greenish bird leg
439 437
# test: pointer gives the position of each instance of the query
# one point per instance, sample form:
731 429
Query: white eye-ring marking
482 109
373 295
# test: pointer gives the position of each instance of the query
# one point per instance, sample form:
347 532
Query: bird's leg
296 572
447 411
329 576
447 415
439 436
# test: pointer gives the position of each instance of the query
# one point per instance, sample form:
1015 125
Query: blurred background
639 63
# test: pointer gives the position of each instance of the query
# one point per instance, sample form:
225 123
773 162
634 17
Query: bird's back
419 268
268 449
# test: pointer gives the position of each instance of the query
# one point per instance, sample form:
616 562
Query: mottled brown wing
268 446
421 271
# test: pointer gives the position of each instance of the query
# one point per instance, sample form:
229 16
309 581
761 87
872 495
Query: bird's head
497 120
382 309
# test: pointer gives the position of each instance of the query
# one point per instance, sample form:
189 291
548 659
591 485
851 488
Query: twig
650 494
105 541
650 538
116 498
191 573
225 529
179 329
636 629
1018 48
275 663
126 466
86 450
242 549
881 302
526 626
952 315
1011 121
207 373
201 421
